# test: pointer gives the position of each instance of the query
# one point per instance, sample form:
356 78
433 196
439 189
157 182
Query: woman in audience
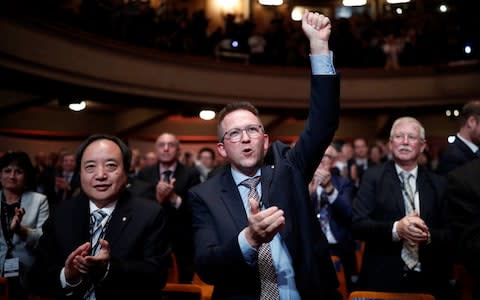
23 213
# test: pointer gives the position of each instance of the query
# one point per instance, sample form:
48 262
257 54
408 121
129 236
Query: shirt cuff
322 64
395 236
64 283
249 253
178 201
332 197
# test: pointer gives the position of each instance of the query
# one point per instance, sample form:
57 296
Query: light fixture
397 1
297 13
78 106
270 2
354 2
207 114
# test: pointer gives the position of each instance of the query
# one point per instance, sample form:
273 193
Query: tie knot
166 175
98 216
405 176
251 182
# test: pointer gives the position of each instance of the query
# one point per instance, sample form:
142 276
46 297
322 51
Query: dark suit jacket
340 211
179 219
219 215
140 253
455 155
378 204
464 213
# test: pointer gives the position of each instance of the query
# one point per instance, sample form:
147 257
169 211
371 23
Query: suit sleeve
464 216
365 225
321 124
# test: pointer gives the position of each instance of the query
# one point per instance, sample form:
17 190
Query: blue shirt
282 261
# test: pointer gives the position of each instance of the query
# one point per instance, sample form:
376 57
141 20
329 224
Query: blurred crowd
390 41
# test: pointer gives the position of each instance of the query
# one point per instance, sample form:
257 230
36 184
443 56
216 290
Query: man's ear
265 142
221 150
472 122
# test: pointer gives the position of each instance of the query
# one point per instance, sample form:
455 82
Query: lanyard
7 213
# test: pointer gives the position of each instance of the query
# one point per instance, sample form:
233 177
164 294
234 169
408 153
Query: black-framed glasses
235 134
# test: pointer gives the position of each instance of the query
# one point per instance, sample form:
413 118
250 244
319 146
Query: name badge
11 267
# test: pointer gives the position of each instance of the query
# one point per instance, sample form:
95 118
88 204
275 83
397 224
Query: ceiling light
397 1
79 106
354 2
207 114
297 13
270 2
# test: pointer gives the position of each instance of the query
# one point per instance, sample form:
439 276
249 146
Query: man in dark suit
332 197
231 226
403 221
125 256
465 147
360 161
464 214
167 183
62 184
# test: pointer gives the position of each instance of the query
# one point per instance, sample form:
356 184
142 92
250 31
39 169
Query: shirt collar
414 171
107 209
239 177
470 145
171 168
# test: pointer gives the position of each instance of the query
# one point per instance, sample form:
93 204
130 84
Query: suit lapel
395 187
266 181
81 219
120 217
232 200
425 194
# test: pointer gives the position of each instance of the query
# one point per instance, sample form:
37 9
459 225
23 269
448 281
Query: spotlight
78 106
207 114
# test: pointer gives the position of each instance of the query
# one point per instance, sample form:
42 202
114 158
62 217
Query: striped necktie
96 233
96 229
268 276
409 252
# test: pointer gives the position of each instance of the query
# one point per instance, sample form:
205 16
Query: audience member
376 155
332 197
167 183
392 48
23 213
360 162
345 152
67 181
254 226
205 162
151 159
400 213
465 147
464 215
45 176
105 243
136 164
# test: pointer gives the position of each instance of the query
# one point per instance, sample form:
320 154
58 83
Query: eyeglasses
235 134
401 137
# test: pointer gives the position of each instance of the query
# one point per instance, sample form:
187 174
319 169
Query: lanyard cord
7 213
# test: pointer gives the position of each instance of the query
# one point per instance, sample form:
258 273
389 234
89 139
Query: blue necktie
96 229
96 233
